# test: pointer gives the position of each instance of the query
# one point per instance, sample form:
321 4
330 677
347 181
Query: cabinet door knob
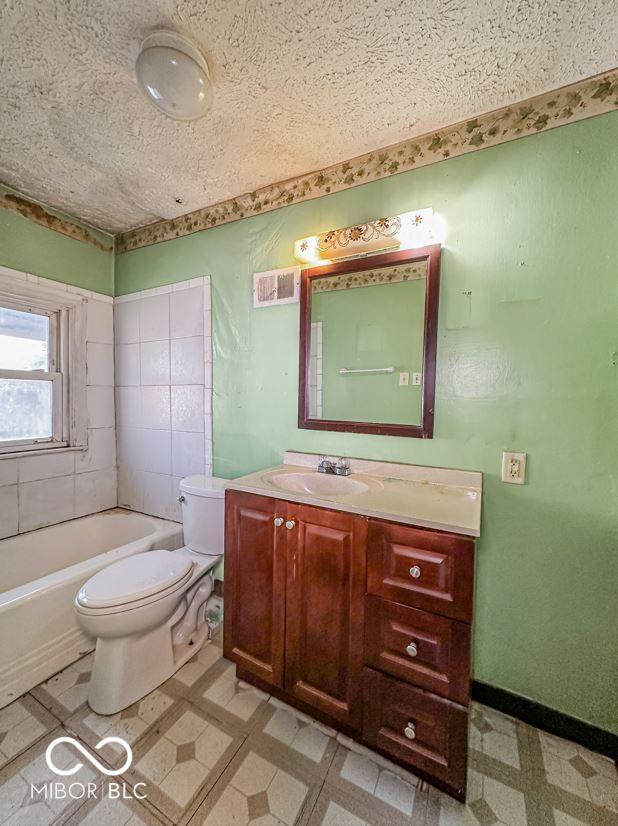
415 571
411 649
290 524
278 520
410 731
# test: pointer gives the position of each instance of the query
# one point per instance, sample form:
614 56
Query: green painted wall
378 326
526 361
30 247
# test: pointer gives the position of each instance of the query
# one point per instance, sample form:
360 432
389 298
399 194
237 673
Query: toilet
147 611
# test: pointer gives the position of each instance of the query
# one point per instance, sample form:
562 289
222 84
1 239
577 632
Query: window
41 384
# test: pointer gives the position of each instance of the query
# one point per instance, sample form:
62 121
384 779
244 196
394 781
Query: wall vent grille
276 287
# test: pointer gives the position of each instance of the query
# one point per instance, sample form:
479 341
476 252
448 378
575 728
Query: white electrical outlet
514 468
416 378
404 379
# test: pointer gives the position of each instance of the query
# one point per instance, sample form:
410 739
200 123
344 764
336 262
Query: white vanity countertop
438 498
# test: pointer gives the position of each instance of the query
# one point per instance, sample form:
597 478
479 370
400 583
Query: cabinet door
255 559
324 626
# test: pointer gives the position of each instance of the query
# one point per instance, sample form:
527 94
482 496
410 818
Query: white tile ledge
202 280
23 454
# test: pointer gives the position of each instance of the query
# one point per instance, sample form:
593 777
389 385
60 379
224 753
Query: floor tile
212 749
131 724
20 804
113 812
22 723
181 759
561 773
337 807
604 792
66 692
262 785
196 669
295 737
220 694
387 795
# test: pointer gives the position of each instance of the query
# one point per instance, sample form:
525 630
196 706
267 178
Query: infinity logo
88 756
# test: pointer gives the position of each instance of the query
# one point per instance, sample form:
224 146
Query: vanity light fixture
173 74
405 231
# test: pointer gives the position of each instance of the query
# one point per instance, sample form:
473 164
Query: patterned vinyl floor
214 751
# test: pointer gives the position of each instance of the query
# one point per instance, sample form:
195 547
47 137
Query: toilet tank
203 513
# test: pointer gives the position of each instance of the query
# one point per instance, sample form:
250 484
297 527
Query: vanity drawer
428 733
423 569
428 650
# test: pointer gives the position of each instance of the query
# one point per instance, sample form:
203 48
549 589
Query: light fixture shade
174 76
405 231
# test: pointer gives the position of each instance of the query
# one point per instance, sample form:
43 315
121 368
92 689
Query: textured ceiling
298 85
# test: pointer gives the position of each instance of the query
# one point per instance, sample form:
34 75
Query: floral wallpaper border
585 99
369 278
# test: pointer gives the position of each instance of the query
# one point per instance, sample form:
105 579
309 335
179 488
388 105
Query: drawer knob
411 649
278 520
415 572
290 524
410 731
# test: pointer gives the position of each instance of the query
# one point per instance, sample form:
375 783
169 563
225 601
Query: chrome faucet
339 468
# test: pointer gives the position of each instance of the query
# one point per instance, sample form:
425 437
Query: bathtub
40 574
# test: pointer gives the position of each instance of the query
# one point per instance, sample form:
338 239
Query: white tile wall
127 365
163 393
187 360
188 453
100 364
156 410
8 510
45 502
47 488
129 406
188 407
95 491
155 362
101 407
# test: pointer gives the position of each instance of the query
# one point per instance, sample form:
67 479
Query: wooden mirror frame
424 430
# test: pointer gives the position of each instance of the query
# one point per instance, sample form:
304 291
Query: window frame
67 360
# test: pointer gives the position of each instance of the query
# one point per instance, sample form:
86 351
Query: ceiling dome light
174 75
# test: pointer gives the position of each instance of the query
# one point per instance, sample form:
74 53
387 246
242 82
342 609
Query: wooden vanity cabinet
363 622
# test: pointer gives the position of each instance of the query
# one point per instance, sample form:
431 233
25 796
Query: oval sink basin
318 484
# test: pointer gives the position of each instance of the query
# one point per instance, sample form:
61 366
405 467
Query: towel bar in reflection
345 371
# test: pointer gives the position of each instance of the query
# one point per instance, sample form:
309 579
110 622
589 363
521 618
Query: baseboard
547 719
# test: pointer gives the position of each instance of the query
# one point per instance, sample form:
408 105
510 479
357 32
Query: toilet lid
133 578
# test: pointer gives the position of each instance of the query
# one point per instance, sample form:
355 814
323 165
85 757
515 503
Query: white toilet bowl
147 611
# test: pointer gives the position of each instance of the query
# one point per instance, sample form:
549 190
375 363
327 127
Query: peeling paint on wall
52 220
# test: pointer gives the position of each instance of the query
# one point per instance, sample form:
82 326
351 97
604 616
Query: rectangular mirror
368 344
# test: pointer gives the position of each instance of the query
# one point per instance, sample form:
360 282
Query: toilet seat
135 604
137 580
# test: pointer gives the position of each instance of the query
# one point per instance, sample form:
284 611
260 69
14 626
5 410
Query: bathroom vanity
351 599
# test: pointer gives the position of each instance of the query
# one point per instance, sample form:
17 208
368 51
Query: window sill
42 452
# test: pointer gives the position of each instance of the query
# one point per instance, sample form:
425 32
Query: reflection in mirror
366 345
